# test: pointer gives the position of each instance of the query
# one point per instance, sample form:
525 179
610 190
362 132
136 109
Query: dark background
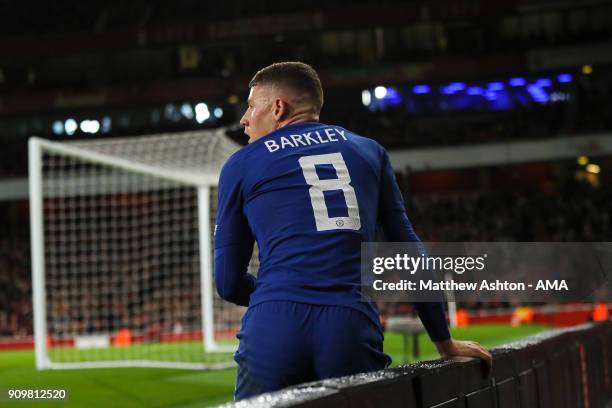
142 67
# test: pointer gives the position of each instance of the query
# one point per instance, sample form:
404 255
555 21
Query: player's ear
280 109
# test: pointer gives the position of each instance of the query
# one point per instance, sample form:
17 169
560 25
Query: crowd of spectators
148 306
15 281
154 302
147 302
577 212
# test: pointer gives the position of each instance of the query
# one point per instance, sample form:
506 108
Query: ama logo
552 285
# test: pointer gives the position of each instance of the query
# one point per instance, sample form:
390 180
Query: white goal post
121 234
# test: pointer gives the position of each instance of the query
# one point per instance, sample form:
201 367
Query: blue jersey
310 194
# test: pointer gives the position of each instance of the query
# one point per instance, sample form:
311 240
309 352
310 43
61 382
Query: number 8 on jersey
317 187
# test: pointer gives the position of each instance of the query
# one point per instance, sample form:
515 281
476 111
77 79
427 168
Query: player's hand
458 348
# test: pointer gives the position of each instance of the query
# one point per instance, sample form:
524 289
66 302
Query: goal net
121 234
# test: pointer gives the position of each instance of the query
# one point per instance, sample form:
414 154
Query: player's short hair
297 76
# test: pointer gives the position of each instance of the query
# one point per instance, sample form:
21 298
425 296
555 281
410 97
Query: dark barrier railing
565 368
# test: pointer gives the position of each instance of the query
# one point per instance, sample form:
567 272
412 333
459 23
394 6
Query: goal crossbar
201 180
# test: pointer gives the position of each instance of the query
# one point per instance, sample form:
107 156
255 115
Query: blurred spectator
577 212
159 301
15 287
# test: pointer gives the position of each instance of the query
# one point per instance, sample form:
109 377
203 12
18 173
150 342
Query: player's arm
232 280
398 228
233 240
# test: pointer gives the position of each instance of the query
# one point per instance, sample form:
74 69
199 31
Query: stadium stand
16 313
393 126
447 31
138 64
578 212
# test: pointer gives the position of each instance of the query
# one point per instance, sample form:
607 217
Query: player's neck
298 118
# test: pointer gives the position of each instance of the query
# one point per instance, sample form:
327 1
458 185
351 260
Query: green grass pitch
148 387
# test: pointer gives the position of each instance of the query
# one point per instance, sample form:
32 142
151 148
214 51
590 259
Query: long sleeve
233 282
233 239
397 228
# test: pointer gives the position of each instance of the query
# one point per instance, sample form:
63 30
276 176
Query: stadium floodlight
457 86
593 168
537 93
122 259
543 82
495 86
58 127
202 112
171 112
70 126
90 126
366 97
517 81
490 95
107 123
582 160
187 110
380 92
564 78
447 90
421 89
